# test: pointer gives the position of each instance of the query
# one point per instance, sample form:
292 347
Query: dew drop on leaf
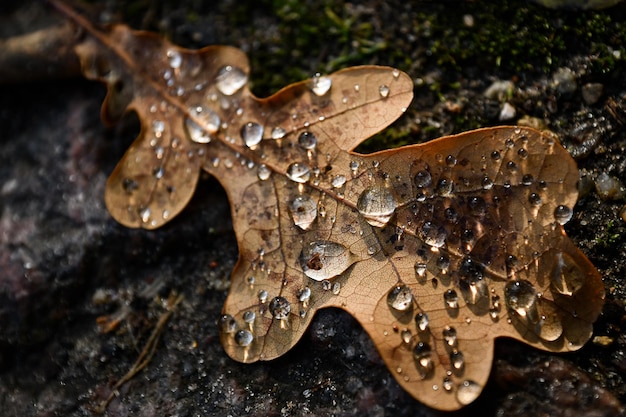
421 321
467 392
324 259
252 134
263 172
422 354
298 172
451 299
423 179
174 58
227 324
433 235
521 297
230 79
249 316
244 338
562 214
209 124
280 308
377 204
383 90
338 181
320 85
307 140
567 277
278 133
457 360
449 336
303 211
400 298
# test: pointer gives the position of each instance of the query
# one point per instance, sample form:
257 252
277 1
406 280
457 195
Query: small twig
146 354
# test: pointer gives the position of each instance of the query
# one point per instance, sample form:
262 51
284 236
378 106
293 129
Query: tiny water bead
280 308
324 259
303 211
321 85
304 294
252 134
377 204
298 172
383 90
400 298
230 79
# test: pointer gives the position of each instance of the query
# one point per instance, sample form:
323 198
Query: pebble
592 92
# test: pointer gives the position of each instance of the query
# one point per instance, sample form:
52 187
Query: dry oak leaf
436 249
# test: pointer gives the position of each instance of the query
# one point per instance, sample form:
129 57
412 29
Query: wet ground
65 264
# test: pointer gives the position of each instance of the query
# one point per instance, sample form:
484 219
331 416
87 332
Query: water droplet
252 134
280 308
354 166
383 90
307 140
447 384
473 289
443 263
486 183
423 179
449 336
323 259
244 338
129 185
377 205
567 277
321 85
521 297
278 133
523 153
158 126
406 336
527 179
400 298
249 316
420 269
263 172
304 295
432 234
451 299
210 124
445 187
477 206
562 214
421 320
298 172
338 181
395 72
457 360
467 392
174 58
230 79
158 172
303 211
262 296
422 354
145 214
227 323
336 288
534 199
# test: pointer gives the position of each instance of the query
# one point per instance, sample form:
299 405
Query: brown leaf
436 249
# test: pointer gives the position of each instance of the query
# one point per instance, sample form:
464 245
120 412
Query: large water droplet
307 140
303 211
280 308
421 321
377 205
400 298
298 172
562 214
423 179
227 323
252 134
521 297
467 392
209 124
422 354
432 234
323 259
230 79
567 277
244 338
321 85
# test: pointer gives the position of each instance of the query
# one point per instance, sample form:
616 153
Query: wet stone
400 298
303 211
244 338
377 205
230 79
280 308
